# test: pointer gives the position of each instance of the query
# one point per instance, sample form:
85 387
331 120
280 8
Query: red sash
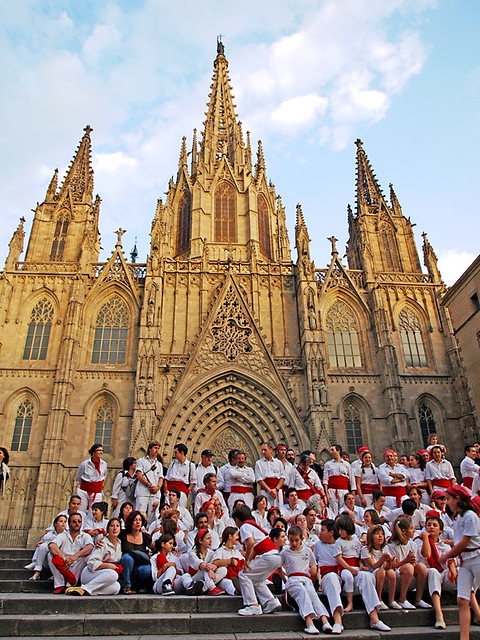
298 573
306 494
161 561
368 489
442 482
264 545
271 482
238 489
467 482
338 482
433 560
233 571
353 562
178 484
395 492
328 568
192 571
91 488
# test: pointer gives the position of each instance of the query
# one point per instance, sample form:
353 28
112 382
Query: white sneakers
407 605
394 605
311 630
421 604
337 629
380 626
272 605
250 610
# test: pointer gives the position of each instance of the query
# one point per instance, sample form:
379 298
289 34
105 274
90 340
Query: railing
13 537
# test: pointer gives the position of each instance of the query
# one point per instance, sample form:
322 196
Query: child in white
229 557
347 553
261 560
301 570
202 573
40 557
405 557
164 566
374 558
330 583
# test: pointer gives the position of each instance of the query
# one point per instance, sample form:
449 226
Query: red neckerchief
254 524
433 559
304 476
96 464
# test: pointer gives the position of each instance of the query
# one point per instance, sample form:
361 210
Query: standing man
281 453
393 478
269 475
203 467
305 480
338 479
70 551
291 456
468 467
223 475
181 473
439 472
91 476
149 474
242 479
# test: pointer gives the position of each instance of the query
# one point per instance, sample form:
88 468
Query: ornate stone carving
231 331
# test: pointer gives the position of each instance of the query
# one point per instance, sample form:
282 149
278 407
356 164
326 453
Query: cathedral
221 339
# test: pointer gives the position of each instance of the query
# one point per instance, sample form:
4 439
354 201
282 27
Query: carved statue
150 314
312 320
140 394
149 394
323 393
316 393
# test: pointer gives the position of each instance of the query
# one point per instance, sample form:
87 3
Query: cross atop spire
79 178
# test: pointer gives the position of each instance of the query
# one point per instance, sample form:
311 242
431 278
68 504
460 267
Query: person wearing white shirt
201 522
185 517
73 507
269 475
338 479
242 479
366 479
91 477
223 474
393 478
293 507
288 467
208 492
181 473
203 467
304 479
468 466
149 472
439 472
69 552
123 488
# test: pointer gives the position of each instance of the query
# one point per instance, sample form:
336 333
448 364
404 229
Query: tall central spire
222 134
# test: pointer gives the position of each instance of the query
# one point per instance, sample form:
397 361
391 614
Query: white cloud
113 162
453 263
300 112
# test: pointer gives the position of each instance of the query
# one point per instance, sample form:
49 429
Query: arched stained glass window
427 422
38 332
342 337
23 426
353 426
110 339
389 249
412 341
264 227
225 218
184 222
104 425
59 237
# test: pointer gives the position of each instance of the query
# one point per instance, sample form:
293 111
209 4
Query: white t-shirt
374 554
325 554
348 548
467 525
152 471
297 561
401 551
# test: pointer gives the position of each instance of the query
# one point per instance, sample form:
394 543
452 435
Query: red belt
467 482
233 571
338 482
264 546
369 488
239 489
353 562
192 571
395 492
91 487
304 494
328 568
466 551
177 484
305 575
442 482
271 482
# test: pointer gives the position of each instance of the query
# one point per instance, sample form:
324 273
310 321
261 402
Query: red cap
458 491
362 450
438 494
388 451
432 512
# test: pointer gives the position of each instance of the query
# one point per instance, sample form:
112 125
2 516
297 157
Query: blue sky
309 77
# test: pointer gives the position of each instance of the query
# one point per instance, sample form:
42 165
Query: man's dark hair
242 513
181 448
377 494
200 514
409 506
207 477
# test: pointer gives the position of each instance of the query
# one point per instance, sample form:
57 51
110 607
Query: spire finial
220 45
334 241
119 233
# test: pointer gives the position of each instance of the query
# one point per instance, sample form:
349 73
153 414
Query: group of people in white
387 533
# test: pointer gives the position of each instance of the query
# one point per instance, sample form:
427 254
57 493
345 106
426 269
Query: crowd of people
281 531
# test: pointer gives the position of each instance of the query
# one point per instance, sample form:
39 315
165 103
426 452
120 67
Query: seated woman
96 524
125 510
40 557
100 576
136 547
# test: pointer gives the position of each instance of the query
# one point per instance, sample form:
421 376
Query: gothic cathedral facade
220 339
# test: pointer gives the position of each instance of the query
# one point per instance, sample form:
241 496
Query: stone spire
368 190
52 187
79 178
222 133
430 260
396 208
194 153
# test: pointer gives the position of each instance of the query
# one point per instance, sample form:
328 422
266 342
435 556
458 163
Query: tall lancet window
184 222
225 218
104 425
412 341
264 227
342 337
427 422
59 237
391 259
23 425
38 333
110 340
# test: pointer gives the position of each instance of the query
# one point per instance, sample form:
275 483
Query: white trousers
87 501
227 585
467 573
145 505
437 581
303 592
278 502
168 574
331 586
40 557
252 583
391 501
103 582
336 503
186 579
364 584
76 568
246 497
